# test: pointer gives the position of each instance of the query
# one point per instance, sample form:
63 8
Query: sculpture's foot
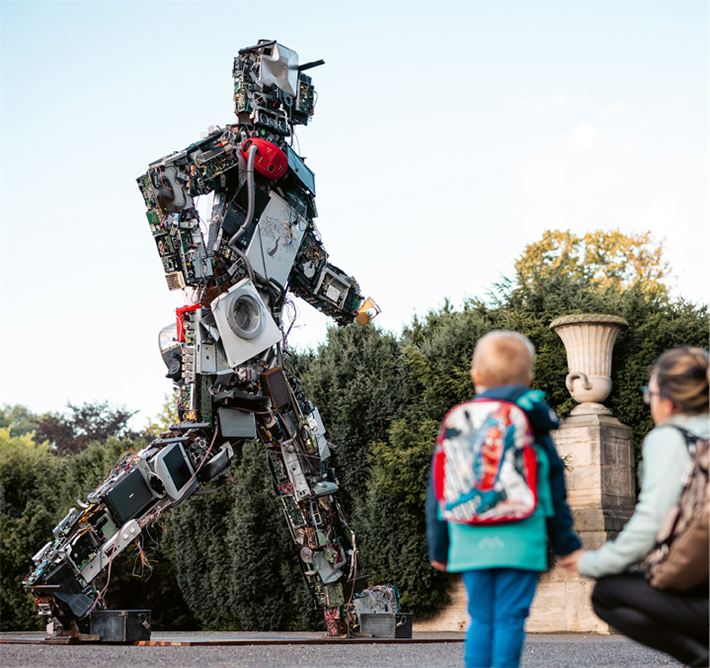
67 633
56 630
334 623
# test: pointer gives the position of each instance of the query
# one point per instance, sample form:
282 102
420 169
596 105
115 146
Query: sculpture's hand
367 312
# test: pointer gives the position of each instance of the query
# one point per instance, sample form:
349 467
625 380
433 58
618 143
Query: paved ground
552 650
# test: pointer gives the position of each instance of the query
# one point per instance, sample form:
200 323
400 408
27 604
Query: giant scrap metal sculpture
224 353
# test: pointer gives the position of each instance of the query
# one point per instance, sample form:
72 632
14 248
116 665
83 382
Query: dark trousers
672 622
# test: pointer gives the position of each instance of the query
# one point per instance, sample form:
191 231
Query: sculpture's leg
297 451
140 487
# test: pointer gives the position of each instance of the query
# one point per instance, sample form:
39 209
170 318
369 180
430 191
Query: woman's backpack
680 559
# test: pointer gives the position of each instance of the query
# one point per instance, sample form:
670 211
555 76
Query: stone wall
453 617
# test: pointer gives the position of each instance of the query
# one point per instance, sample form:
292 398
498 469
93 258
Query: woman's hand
439 565
570 562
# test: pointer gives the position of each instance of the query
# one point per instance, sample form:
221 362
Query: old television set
129 497
173 467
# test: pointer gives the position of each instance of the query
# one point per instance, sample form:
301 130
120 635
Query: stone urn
589 340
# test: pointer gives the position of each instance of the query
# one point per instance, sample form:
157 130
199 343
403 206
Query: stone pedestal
601 490
597 451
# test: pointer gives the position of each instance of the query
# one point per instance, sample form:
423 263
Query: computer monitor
173 467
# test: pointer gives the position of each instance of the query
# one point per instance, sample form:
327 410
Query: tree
20 419
604 258
391 519
438 349
357 379
167 416
29 498
91 422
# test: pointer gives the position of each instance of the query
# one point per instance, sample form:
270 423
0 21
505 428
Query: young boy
501 563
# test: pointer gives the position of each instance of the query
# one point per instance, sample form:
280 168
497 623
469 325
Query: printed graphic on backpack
485 466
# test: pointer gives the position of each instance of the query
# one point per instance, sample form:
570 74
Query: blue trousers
499 601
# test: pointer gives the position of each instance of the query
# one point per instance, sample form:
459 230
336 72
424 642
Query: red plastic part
180 313
270 160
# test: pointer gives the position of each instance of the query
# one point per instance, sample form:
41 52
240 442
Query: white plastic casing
249 334
163 472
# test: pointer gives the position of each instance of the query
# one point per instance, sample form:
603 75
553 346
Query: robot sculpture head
270 88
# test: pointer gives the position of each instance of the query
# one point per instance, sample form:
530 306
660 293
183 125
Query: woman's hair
683 376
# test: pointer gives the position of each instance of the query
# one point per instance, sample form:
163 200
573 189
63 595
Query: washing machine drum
245 314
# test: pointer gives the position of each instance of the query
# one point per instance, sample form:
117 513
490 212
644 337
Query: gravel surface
540 650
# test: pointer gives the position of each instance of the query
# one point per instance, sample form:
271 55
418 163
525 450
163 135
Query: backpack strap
690 438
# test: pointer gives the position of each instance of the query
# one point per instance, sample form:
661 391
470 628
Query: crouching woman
675 622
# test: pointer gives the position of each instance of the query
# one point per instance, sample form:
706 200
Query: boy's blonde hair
503 358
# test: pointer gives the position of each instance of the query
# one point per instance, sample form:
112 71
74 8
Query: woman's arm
665 459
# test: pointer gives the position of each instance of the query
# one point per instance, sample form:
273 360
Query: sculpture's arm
169 188
326 287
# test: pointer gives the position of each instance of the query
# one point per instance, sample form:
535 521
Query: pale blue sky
446 137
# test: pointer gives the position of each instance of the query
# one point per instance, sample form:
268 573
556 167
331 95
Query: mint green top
665 459
521 544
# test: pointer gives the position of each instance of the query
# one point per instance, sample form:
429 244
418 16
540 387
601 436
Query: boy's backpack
485 464
680 559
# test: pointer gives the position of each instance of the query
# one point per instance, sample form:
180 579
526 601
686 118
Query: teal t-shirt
521 544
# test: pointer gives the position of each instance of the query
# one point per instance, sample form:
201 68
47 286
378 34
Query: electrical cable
246 262
216 217
251 203
162 182
144 562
